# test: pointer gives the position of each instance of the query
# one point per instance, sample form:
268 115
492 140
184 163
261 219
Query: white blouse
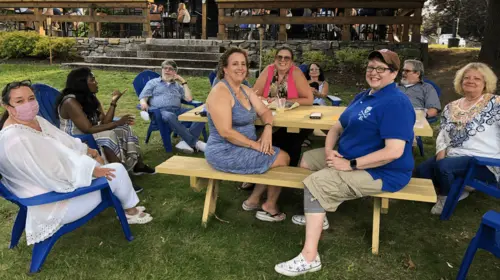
34 163
473 132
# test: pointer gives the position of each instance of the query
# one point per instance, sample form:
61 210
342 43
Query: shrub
28 44
268 57
17 43
326 62
351 60
61 47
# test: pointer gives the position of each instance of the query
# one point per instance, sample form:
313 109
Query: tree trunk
490 49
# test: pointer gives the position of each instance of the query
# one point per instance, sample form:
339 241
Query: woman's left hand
117 95
266 141
340 164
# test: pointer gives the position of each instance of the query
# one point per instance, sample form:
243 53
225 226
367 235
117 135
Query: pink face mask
27 111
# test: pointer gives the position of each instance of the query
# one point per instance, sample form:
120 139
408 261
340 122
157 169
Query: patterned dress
472 132
227 157
121 140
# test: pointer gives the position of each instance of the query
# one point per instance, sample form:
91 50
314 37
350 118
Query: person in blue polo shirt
374 136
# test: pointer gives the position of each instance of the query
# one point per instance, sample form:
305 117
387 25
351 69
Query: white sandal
138 219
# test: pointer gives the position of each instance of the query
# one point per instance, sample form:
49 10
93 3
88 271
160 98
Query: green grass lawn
175 246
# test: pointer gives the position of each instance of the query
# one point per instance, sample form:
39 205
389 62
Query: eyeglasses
407 71
285 58
379 70
14 85
169 68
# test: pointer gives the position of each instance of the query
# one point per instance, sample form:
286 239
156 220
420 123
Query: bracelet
269 124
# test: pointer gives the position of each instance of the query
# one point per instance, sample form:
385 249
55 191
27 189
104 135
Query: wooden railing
92 17
412 15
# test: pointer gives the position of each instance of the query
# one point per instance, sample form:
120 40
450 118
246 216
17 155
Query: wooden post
415 36
406 31
39 22
146 26
376 225
92 25
385 206
210 201
346 29
221 35
204 20
282 36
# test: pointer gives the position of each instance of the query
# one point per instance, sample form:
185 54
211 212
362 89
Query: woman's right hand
441 155
126 119
104 172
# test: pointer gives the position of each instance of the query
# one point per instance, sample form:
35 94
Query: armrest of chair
89 139
192 103
97 184
487 161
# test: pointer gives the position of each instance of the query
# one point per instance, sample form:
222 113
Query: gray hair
169 62
418 66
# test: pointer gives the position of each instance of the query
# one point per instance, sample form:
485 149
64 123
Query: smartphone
316 116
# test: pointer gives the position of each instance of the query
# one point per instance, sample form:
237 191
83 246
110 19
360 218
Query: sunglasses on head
14 85
283 57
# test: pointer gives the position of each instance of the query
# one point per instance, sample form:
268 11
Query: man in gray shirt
422 95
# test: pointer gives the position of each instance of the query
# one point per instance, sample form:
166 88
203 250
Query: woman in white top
470 126
38 158
315 75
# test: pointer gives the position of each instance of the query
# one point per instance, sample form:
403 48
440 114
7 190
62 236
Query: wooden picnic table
298 118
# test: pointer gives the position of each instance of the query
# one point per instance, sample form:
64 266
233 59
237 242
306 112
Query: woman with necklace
470 126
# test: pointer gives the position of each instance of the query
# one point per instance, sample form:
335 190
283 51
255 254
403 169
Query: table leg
376 225
210 201
385 206
198 184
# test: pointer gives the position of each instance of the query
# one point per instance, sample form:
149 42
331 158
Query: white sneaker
184 147
298 266
301 221
437 209
200 146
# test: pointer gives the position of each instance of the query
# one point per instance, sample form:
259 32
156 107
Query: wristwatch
354 164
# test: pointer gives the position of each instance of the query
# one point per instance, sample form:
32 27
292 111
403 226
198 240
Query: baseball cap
388 57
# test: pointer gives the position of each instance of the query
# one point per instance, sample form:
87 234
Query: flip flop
138 219
268 217
247 207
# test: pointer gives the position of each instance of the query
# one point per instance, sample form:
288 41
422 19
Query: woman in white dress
38 158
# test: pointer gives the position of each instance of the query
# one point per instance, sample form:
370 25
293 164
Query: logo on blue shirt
364 113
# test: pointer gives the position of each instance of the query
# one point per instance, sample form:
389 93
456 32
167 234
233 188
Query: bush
325 62
268 57
18 44
351 60
61 47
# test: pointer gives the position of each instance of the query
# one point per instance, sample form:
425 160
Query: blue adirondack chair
334 100
211 77
487 238
420 143
46 97
42 249
154 114
460 183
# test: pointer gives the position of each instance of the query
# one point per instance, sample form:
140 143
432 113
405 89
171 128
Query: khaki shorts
332 187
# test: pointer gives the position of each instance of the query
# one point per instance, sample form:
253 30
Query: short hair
418 66
285 48
169 62
490 79
224 61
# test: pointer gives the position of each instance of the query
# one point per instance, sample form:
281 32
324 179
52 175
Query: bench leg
376 225
198 184
385 206
210 201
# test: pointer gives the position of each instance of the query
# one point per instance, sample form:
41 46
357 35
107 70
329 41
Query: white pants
121 186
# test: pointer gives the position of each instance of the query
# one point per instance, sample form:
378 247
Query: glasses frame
169 68
283 58
379 69
407 71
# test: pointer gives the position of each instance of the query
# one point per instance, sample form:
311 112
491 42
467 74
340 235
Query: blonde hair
490 79
182 6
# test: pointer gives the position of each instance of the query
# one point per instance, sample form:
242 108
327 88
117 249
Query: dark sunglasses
14 85
285 58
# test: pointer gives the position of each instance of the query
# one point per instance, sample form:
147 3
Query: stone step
179 55
187 63
121 53
202 72
184 42
179 48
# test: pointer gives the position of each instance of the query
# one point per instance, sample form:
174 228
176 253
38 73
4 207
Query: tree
490 49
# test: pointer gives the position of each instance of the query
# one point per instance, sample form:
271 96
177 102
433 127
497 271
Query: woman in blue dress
233 145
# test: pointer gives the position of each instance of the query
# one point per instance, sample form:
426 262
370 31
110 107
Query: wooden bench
203 175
